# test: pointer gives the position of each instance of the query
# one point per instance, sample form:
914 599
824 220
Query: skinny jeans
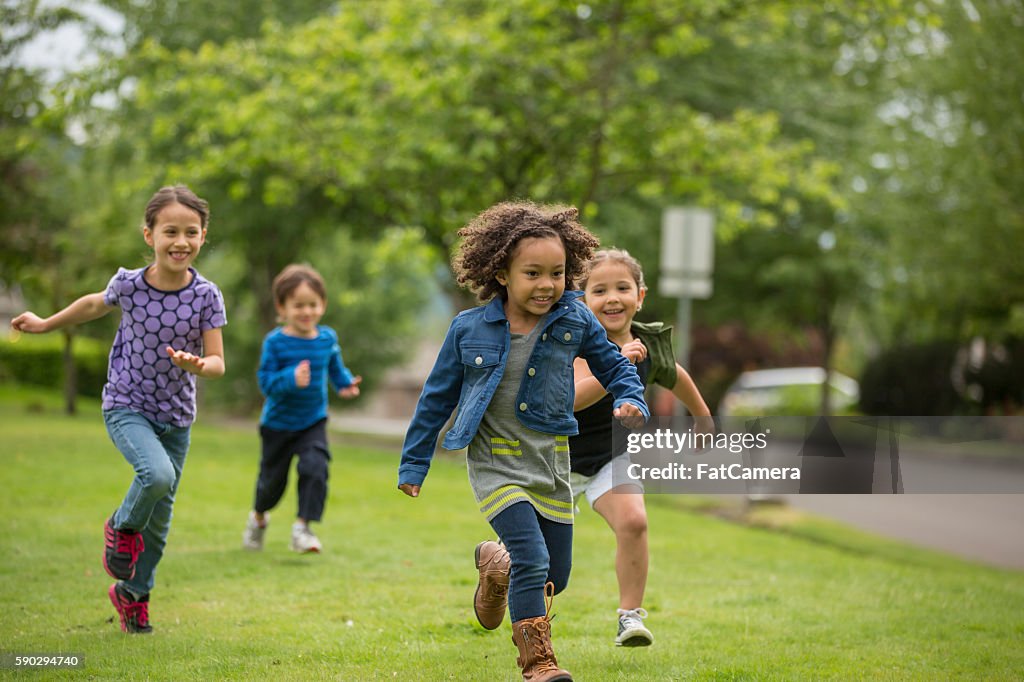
540 551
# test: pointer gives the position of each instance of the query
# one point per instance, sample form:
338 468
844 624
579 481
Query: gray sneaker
303 540
631 629
252 536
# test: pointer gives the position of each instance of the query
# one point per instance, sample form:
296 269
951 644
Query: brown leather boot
491 596
532 636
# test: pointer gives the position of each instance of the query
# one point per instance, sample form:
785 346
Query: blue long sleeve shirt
288 407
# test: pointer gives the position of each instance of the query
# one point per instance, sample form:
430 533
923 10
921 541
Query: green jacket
658 339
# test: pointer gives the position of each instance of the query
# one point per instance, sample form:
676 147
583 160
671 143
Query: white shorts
612 473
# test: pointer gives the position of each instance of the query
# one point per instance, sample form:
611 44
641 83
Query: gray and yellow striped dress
509 462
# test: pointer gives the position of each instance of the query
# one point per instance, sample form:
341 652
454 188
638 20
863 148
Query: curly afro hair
490 239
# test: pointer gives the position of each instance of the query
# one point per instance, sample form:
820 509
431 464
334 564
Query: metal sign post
687 261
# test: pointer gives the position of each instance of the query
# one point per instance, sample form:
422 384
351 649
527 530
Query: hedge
912 380
38 361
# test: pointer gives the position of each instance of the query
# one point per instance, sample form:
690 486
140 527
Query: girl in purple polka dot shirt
169 333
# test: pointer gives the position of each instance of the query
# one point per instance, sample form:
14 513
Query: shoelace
631 616
542 648
130 544
542 645
549 599
498 591
138 612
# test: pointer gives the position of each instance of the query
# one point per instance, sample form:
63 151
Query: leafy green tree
418 115
347 120
946 184
43 224
814 70
423 116
25 147
188 25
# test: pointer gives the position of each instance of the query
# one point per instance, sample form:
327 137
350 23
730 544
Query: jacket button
522 407
544 337
568 336
531 371
479 360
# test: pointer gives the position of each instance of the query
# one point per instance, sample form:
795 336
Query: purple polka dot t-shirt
141 377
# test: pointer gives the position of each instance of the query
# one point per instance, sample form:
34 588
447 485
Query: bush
912 380
990 375
38 361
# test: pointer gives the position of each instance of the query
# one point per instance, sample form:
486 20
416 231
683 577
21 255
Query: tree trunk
70 373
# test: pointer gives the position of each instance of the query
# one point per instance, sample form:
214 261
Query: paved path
982 527
976 524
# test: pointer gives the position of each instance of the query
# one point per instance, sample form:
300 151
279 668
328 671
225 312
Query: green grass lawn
390 598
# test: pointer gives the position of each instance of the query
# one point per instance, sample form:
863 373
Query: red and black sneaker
121 549
134 612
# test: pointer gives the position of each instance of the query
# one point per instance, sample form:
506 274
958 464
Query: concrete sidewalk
970 507
979 527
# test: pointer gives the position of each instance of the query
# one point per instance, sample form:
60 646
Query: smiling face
177 235
534 279
614 296
301 311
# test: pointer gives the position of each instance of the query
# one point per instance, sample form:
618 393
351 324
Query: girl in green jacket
614 290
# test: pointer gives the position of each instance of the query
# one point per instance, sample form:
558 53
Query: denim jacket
472 360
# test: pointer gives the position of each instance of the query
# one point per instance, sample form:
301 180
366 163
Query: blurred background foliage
864 160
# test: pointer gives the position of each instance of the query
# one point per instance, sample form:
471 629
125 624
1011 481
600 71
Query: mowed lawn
391 596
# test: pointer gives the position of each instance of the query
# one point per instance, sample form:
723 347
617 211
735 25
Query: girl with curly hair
507 366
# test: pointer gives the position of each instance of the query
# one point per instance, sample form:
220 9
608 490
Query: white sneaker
303 540
631 628
252 536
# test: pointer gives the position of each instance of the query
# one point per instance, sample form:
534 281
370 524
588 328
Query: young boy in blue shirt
298 359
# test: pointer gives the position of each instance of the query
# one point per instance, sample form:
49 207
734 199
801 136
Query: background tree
814 71
401 113
947 175
51 239
334 133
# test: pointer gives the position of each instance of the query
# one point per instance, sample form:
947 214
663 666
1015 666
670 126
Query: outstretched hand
28 322
629 415
352 390
186 361
410 489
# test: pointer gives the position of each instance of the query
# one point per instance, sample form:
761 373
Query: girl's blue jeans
540 551
157 453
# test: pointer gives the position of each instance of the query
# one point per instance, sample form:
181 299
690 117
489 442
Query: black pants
278 449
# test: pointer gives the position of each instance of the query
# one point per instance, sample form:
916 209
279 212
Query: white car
787 391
